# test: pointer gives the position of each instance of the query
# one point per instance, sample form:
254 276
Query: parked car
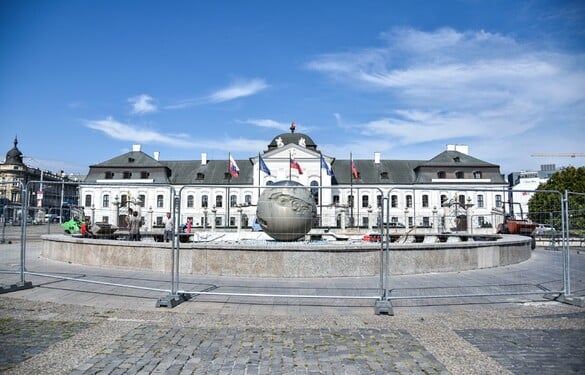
544 229
51 218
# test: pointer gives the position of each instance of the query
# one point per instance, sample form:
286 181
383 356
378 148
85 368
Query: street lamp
406 217
117 204
435 223
92 214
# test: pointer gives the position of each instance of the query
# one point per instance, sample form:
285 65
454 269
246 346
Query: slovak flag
326 166
234 170
354 171
295 165
263 166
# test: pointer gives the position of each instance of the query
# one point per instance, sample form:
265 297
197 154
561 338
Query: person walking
169 228
134 224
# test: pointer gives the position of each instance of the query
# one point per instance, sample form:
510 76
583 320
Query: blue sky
81 81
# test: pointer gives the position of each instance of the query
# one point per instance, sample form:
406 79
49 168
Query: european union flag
263 166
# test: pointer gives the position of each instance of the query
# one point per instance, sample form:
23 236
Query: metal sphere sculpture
286 211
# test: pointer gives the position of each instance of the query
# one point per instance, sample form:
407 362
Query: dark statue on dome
293 127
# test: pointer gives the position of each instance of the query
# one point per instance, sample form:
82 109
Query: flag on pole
326 166
295 165
354 171
234 170
263 166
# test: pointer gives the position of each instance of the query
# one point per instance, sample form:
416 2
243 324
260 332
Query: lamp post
406 225
435 221
205 218
117 204
92 214
151 220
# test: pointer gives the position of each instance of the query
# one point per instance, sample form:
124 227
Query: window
88 200
106 201
459 174
336 199
233 201
480 202
144 174
109 175
315 191
127 175
409 201
160 201
218 221
379 201
461 199
142 200
190 201
444 200
477 175
204 201
365 221
124 200
365 201
248 199
498 201
457 159
426 222
394 201
384 175
105 219
232 221
350 200
441 174
218 201
200 176
425 200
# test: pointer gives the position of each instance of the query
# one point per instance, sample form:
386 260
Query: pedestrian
189 225
169 228
85 230
134 224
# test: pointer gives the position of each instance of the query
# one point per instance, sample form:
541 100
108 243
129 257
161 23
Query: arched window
394 201
459 174
204 201
233 200
160 201
409 200
88 200
444 200
219 201
106 201
315 191
425 200
477 175
190 201
441 174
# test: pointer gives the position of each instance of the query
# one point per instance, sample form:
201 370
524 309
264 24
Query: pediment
285 151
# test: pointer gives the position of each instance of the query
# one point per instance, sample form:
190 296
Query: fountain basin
290 259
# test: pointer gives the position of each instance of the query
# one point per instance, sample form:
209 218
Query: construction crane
560 155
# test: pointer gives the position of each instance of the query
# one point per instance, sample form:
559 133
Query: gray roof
385 172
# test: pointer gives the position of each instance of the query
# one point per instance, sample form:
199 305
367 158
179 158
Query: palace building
347 192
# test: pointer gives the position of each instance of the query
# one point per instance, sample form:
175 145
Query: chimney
377 156
204 158
156 155
136 147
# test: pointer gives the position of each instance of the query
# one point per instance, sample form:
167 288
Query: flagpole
258 176
289 166
351 189
227 222
321 190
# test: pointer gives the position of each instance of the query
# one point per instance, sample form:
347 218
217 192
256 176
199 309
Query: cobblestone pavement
66 327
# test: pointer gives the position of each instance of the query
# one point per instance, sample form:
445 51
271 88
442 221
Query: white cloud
135 134
448 84
125 132
142 104
239 89
267 123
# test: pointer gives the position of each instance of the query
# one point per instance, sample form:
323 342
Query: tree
544 204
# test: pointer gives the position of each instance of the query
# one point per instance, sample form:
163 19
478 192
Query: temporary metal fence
389 213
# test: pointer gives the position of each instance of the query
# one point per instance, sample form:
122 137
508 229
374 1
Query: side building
45 191
424 193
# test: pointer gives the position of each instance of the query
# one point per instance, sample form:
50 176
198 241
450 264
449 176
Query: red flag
234 170
295 165
354 171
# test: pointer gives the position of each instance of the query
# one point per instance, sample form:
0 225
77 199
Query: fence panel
452 227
